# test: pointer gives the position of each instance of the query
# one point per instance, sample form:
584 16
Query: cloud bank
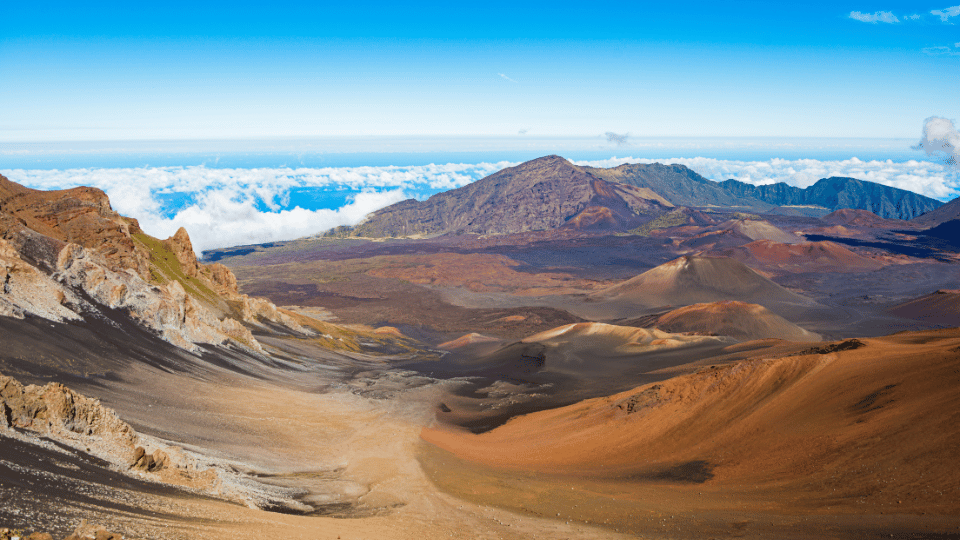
230 207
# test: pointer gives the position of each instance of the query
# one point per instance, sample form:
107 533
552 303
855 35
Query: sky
77 71
256 122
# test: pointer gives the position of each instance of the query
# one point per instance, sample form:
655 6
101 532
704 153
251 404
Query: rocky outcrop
25 289
56 412
59 413
81 216
182 248
38 414
167 309
66 255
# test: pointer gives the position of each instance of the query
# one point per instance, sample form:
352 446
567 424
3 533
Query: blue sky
176 70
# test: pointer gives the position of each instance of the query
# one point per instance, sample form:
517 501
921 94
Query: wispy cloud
914 17
617 138
507 78
879 16
946 13
523 131
941 139
942 51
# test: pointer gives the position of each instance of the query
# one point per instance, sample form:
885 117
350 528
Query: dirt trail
351 456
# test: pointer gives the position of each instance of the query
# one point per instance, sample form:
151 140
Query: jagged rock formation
543 194
66 255
835 193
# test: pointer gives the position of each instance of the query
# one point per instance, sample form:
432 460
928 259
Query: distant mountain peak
542 194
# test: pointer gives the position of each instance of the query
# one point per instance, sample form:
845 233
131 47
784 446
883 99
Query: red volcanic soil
466 340
695 279
738 320
803 257
849 217
734 233
941 307
867 429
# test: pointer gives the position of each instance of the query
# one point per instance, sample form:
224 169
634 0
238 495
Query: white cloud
879 16
228 207
941 139
217 220
914 17
946 13
507 78
930 179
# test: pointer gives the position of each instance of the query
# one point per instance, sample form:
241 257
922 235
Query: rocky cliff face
835 193
66 255
80 216
543 194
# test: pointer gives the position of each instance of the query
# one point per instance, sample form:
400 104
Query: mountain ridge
550 193
837 192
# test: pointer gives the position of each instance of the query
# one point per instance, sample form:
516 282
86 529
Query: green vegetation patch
670 219
164 267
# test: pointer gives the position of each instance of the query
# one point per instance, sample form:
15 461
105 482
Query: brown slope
738 320
802 257
737 232
849 217
863 429
941 307
543 194
694 279
945 213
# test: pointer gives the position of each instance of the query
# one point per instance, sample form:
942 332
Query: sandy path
343 448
